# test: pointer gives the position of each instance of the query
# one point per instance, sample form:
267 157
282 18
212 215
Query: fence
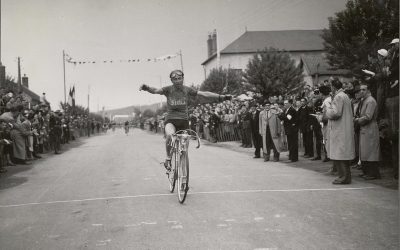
224 132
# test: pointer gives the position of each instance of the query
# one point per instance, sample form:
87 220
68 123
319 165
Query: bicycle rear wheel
172 176
183 177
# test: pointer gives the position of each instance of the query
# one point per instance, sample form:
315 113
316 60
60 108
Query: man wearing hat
270 129
254 123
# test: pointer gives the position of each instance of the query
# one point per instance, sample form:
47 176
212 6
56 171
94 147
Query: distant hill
130 109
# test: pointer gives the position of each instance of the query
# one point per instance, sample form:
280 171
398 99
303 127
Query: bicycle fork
182 153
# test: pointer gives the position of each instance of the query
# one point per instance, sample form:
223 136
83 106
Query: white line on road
194 193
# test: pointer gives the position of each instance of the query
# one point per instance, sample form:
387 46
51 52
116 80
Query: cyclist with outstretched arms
177 105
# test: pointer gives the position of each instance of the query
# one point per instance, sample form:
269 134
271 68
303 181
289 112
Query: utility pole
2 68
160 95
88 100
19 75
180 54
65 89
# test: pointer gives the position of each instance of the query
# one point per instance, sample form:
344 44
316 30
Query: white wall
240 61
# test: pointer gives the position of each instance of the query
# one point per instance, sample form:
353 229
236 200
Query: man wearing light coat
269 117
369 135
340 145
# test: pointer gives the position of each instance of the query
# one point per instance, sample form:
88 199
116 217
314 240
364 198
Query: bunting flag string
71 60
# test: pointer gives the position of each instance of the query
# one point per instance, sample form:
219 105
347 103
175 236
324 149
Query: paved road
109 192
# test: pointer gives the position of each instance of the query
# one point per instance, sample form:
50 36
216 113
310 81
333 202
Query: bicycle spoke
183 177
172 174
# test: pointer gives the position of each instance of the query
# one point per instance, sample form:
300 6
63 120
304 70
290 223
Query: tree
218 79
273 72
81 111
356 33
148 113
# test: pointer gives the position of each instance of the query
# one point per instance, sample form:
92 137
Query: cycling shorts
179 124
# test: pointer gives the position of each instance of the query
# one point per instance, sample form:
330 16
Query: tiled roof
14 86
319 64
289 40
32 94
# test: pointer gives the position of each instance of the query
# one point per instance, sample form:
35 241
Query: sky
39 31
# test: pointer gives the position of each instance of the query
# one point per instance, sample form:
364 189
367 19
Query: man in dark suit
303 115
255 131
316 126
55 131
245 119
290 123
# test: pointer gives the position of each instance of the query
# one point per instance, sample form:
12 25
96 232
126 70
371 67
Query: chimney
25 82
214 42
209 45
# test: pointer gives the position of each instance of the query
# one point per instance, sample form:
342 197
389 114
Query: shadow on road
12 181
8 180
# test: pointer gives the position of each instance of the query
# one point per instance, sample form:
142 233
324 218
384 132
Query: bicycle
179 173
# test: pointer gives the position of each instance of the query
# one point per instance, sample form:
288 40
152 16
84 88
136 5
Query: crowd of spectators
28 131
333 121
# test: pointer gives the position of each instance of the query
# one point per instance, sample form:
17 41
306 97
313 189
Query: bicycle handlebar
180 132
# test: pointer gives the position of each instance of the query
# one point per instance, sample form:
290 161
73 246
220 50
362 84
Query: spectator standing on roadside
27 125
305 129
213 121
55 131
369 135
18 133
88 126
269 130
341 133
245 128
327 100
315 124
392 105
273 133
289 118
254 122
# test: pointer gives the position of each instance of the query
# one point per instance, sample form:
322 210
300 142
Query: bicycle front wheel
183 177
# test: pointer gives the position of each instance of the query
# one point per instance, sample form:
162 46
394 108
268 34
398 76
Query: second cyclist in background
126 125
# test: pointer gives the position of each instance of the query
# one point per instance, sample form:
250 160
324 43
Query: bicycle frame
183 137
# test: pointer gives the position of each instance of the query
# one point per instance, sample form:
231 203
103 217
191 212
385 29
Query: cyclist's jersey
177 101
